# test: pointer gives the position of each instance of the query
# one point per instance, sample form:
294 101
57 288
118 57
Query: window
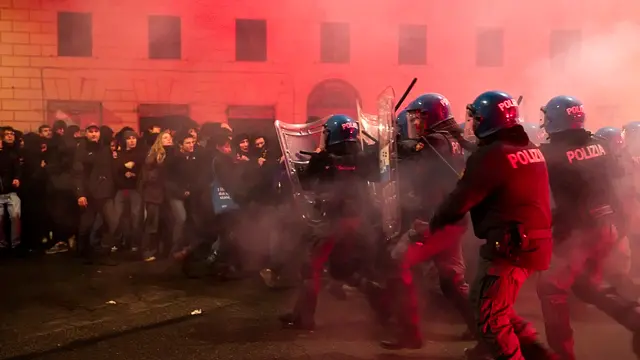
251 40
335 44
75 34
166 116
490 47
412 45
165 37
563 43
81 113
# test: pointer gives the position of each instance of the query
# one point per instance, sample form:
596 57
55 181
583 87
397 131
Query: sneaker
58 248
150 259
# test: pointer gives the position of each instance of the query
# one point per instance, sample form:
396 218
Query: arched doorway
332 96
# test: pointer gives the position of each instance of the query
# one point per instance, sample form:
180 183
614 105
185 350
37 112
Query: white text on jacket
585 153
525 157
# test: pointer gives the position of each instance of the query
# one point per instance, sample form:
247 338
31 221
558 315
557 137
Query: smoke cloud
600 70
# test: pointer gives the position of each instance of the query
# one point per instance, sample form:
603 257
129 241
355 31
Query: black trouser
350 250
35 220
150 244
63 210
88 216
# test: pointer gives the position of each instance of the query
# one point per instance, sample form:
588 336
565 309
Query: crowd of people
152 194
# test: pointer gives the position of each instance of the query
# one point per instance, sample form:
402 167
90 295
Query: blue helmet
339 129
427 111
611 135
631 129
562 113
493 111
403 124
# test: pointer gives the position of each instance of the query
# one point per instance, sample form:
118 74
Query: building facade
249 62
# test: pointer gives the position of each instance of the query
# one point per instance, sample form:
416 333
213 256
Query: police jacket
9 170
93 171
339 183
433 171
505 183
581 172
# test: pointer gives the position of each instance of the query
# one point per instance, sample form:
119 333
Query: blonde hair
158 149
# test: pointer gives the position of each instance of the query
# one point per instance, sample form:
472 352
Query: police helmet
493 111
427 111
613 136
340 129
631 129
562 113
403 124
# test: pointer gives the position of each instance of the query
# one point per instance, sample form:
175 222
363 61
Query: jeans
12 203
132 199
179 212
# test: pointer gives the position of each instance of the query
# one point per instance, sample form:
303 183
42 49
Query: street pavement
55 308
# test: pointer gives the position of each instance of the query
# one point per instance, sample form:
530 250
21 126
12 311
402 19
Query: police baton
406 93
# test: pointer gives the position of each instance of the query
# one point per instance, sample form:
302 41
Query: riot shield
368 125
381 130
295 139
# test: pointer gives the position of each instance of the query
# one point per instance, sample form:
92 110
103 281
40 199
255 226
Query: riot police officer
505 189
337 175
435 157
618 265
581 171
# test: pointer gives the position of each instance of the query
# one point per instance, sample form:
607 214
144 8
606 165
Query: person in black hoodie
35 219
183 182
92 173
127 167
228 173
61 201
10 172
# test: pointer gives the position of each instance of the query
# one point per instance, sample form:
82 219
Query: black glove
407 148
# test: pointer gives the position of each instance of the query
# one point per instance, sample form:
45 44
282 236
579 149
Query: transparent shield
368 126
386 192
295 139
412 129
